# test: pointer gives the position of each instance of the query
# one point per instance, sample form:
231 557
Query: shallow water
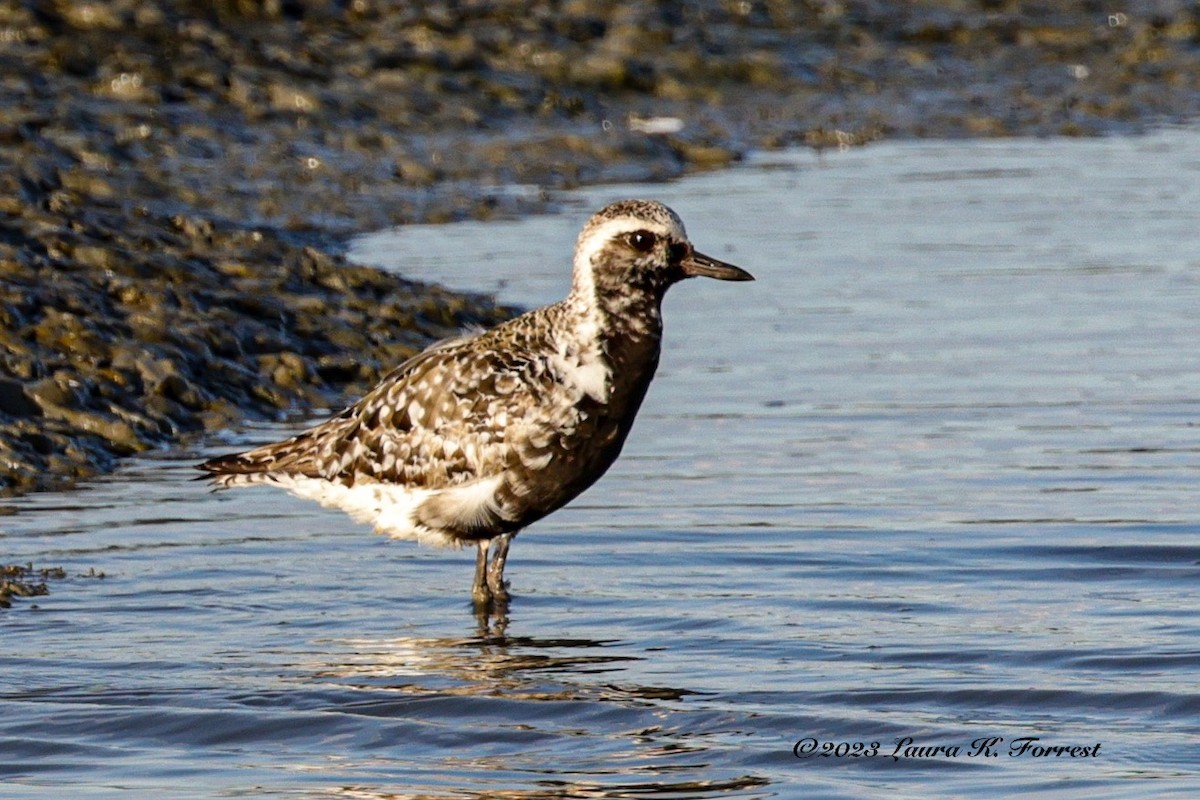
932 476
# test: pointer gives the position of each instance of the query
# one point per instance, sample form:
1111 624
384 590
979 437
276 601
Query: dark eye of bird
642 241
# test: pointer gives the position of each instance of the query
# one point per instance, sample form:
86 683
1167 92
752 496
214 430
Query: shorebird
478 436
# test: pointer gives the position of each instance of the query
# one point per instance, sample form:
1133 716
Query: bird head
640 246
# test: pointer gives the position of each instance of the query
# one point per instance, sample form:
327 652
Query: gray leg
495 570
479 589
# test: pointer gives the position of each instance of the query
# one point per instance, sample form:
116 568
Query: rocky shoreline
178 177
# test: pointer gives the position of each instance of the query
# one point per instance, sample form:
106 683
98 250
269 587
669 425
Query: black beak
700 264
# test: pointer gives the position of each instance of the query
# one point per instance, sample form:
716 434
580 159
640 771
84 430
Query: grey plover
481 435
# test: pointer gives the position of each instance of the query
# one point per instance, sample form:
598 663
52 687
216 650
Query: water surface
931 476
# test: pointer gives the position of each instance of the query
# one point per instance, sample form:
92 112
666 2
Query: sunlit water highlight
931 476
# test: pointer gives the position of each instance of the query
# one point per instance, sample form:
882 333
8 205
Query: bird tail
257 465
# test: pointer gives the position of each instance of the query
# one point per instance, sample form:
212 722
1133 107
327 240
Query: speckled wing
425 425
456 412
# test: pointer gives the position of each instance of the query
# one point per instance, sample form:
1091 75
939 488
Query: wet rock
57 391
25 580
15 402
19 581
707 156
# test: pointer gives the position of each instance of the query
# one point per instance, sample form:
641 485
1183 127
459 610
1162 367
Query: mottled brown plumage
479 436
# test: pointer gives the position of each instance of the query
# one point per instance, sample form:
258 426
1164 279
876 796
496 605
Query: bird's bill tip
698 264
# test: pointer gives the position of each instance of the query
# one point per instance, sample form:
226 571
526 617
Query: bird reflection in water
490 676
733 788
485 663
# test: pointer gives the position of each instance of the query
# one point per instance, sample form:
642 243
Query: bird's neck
617 312
624 336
